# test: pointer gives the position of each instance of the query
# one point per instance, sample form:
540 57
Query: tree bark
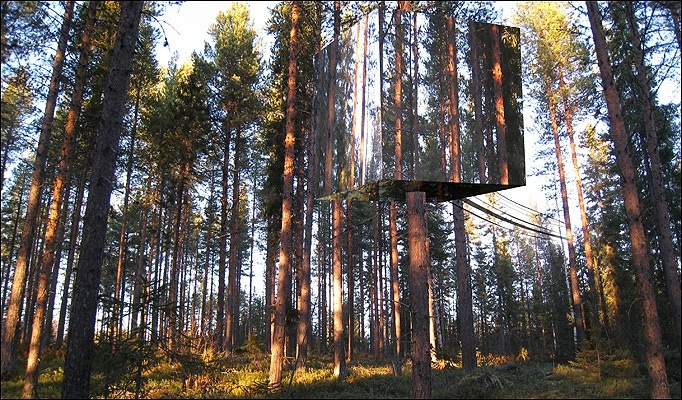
340 371
398 175
222 248
119 290
286 247
232 320
576 300
667 248
50 263
640 249
419 288
462 270
76 383
33 206
591 276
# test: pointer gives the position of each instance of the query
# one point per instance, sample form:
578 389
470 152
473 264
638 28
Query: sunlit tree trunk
77 366
33 205
304 328
640 249
398 175
591 276
418 243
71 255
286 247
576 300
340 370
50 262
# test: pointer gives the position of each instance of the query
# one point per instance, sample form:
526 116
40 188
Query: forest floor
245 375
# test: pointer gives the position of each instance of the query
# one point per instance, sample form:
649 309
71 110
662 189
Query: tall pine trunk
398 175
462 268
667 247
340 371
77 366
50 262
33 206
419 290
576 300
640 248
589 257
283 294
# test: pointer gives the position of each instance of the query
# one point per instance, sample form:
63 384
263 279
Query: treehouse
390 118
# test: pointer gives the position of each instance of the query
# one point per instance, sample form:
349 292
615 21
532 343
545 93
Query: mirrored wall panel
408 101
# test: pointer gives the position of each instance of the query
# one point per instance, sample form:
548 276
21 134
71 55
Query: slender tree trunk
667 248
15 227
222 239
304 328
576 300
119 291
50 263
419 271
340 371
591 276
139 282
174 316
48 332
286 247
640 249
398 175
76 383
462 271
232 320
70 258
374 331
350 278
32 210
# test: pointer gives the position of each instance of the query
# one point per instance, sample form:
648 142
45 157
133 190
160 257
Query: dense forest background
165 213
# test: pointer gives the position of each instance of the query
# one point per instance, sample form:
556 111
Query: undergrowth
244 374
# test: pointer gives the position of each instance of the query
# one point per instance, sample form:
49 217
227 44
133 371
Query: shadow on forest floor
245 374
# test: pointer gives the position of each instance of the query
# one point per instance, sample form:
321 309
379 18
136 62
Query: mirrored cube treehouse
390 117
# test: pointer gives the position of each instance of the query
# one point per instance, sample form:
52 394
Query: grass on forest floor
245 375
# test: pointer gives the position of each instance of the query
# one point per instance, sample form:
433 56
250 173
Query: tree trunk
591 276
640 249
222 239
398 175
82 322
462 271
119 291
667 247
419 270
340 371
576 300
286 247
71 256
33 206
50 263
304 328
232 320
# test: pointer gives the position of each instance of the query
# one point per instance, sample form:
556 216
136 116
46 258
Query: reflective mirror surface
390 117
